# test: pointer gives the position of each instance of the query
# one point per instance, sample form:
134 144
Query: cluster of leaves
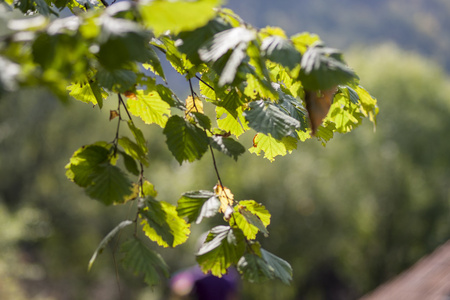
284 90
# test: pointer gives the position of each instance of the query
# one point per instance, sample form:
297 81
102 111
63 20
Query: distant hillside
419 25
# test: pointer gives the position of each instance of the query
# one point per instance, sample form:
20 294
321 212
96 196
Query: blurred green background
347 216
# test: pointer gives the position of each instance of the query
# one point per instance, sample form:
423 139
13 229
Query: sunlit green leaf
251 217
325 132
272 147
141 260
368 104
87 92
198 205
106 240
148 189
344 113
223 247
302 41
162 223
149 106
177 16
236 125
186 141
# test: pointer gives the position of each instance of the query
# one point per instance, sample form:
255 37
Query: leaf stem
204 82
125 107
105 4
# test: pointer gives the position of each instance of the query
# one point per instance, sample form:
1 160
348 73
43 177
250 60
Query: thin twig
204 82
116 138
215 167
105 4
125 107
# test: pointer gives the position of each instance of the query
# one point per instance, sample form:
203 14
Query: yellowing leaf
149 106
193 105
225 196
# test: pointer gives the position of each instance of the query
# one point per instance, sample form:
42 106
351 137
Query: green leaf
268 118
272 147
138 136
177 16
186 141
234 124
254 268
251 217
323 68
141 260
106 240
127 38
232 101
325 132
281 51
84 162
198 205
134 150
191 41
227 146
344 113
257 88
118 81
148 189
149 106
368 104
303 41
166 95
223 247
109 185
154 64
232 42
294 108
162 223
280 268
130 163
202 120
